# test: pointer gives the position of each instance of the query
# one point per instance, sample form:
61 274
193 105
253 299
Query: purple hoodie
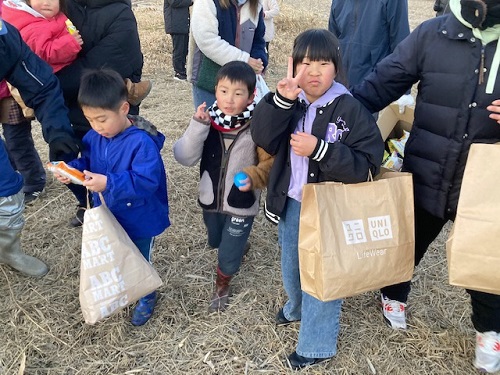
300 164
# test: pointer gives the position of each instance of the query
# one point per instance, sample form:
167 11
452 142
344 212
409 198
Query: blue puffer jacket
39 89
368 31
136 191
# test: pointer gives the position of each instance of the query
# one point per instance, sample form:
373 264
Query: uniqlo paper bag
113 272
356 237
472 248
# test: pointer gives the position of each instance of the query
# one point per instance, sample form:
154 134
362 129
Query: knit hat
481 13
487 32
492 14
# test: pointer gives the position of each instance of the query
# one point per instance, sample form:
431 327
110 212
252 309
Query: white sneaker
394 312
487 351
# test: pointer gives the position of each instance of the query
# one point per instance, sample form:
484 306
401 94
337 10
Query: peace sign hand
289 87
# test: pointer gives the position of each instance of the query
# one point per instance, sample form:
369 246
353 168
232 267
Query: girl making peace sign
318 132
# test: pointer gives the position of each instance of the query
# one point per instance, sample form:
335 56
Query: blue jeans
145 246
230 235
320 321
200 96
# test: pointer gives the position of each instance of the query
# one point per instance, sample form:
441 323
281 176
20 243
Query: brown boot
137 91
220 298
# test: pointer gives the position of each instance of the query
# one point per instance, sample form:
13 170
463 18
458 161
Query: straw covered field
42 329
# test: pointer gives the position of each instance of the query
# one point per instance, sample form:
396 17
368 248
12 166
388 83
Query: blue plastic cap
239 178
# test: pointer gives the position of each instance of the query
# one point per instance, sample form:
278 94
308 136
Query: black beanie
492 14
473 11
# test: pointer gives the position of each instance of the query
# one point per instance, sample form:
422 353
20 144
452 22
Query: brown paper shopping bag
358 237
113 272
472 247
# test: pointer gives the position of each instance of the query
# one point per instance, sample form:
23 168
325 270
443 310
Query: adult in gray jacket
177 18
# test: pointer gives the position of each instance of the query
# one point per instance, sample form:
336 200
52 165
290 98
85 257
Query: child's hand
201 113
303 144
256 64
289 86
246 184
64 180
78 37
95 181
495 108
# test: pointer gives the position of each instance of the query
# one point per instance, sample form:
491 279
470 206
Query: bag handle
101 197
370 176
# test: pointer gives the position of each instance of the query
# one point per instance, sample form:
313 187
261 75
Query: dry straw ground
42 331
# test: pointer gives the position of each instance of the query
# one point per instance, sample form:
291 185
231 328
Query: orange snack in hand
65 170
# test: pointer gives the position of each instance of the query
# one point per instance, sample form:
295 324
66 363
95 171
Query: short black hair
318 44
238 71
102 88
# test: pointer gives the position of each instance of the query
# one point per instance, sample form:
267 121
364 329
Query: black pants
179 52
23 155
485 306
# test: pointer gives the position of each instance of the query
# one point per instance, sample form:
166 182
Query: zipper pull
481 67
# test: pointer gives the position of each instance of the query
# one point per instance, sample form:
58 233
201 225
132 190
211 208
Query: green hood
486 36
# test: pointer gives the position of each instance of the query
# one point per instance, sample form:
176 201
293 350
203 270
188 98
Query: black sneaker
32 196
180 77
77 221
280 319
298 362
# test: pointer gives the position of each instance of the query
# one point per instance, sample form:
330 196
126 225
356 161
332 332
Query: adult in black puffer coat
109 32
177 18
455 59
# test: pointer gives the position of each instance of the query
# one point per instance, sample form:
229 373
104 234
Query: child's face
47 8
232 97
317 77
106 122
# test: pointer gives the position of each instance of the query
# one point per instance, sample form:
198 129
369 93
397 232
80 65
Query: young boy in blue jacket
121 159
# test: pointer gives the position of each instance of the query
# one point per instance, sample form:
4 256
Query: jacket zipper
481 67
223 170
31 74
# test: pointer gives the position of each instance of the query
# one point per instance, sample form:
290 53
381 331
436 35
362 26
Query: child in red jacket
52 36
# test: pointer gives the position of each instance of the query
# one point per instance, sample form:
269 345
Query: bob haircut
102 88
317 45
238 71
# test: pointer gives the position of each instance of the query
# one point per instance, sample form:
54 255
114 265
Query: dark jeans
145 246
23 155
179 52
230 235
485 306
